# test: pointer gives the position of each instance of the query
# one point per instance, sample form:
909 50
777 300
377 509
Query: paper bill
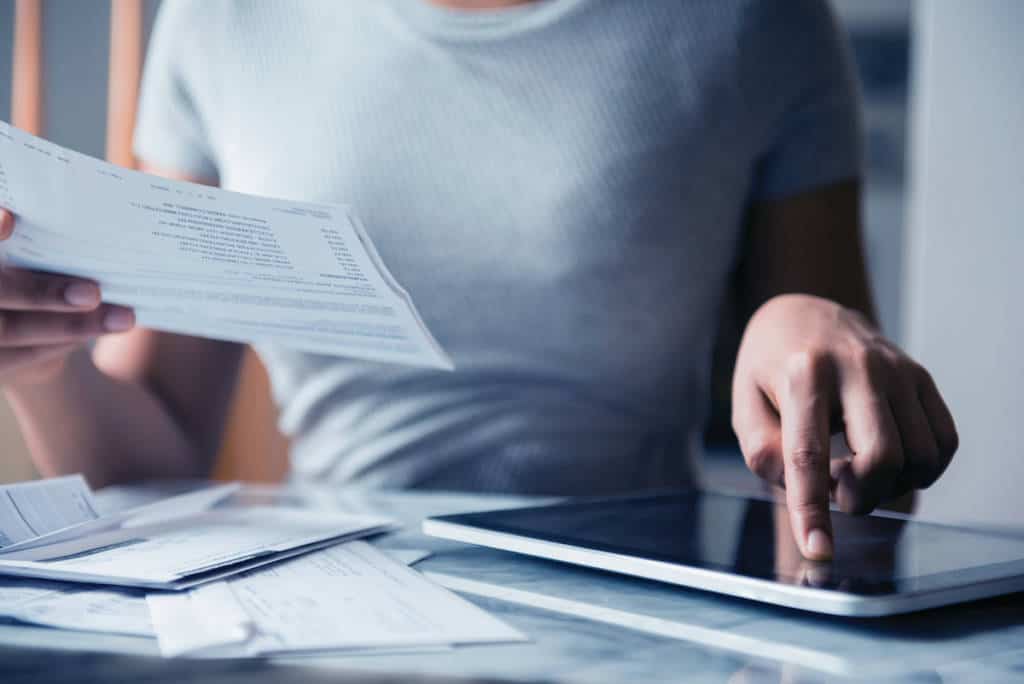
204 261
80 608
350 597
71 607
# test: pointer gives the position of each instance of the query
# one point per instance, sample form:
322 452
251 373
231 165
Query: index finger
805 409
6 224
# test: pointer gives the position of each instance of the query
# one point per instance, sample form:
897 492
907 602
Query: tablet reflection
864 551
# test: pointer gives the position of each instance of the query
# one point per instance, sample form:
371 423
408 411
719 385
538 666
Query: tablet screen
874 555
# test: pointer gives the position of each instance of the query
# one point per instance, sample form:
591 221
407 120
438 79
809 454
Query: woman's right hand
44 317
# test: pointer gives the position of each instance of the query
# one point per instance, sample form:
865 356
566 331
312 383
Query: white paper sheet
208 262
31 509
169 553
347 597
76 607
73 608
15 592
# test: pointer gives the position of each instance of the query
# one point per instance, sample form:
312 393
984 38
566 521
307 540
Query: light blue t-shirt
561 186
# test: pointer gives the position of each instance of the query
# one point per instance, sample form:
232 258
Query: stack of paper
35 514
82 608
173 544
261 581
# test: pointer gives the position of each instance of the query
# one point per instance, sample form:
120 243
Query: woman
566 187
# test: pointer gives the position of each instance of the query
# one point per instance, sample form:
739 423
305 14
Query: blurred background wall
965 317
946 284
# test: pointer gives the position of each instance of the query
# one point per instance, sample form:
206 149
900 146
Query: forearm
110 430
808 244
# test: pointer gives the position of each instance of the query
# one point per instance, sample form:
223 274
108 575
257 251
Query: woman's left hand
807 365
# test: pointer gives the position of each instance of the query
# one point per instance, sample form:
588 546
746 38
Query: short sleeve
801 89
170 130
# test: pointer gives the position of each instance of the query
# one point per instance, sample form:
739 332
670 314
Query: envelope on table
43 512
179 542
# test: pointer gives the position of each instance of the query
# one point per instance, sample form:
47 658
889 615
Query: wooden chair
253 449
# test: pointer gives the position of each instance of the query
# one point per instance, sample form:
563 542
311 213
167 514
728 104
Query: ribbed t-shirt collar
491 24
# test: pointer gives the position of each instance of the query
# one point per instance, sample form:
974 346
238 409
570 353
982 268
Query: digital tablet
884 564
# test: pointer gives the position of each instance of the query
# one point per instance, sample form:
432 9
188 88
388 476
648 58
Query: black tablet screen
874 555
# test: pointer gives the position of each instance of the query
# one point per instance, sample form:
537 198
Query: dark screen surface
874 554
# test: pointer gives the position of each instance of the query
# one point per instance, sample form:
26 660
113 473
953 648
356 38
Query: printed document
208 262
345 598
72 607
81 608
31 509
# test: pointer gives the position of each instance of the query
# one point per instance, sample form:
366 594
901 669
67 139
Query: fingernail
819 545
82 294
118 320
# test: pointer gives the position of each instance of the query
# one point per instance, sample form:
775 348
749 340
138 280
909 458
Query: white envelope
186 550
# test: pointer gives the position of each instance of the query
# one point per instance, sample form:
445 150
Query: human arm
140 404
812 360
